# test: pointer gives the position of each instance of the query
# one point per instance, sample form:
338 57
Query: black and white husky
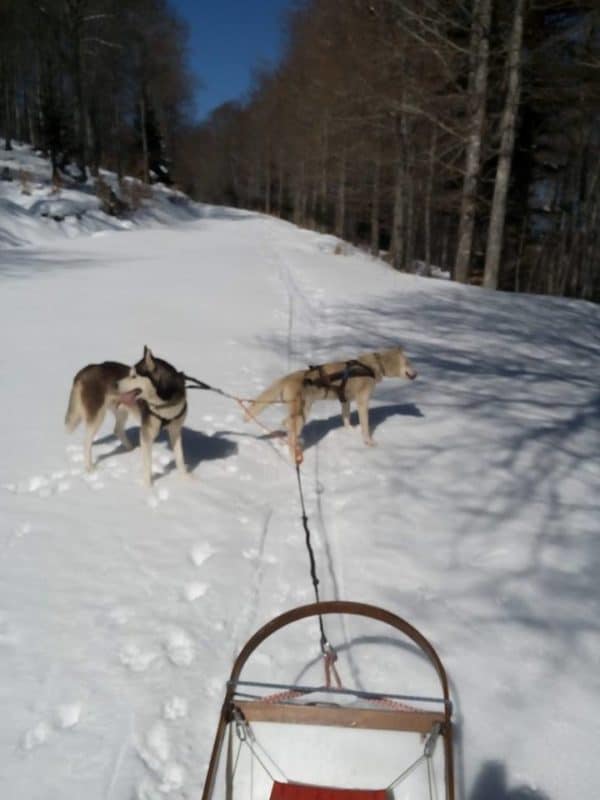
153 390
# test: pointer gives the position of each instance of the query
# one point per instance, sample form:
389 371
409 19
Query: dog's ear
148 358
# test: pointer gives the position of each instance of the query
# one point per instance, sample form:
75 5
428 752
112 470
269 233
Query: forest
457 134
95 83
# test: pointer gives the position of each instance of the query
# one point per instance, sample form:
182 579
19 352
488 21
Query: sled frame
413 720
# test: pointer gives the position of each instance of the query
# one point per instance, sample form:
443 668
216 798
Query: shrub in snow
25 181
135 192
429 270
342 249
110 202
57 185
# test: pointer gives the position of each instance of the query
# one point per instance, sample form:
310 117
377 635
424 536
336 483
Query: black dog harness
336 381
164 421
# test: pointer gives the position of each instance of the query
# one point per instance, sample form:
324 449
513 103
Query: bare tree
507 139
478 81
393 123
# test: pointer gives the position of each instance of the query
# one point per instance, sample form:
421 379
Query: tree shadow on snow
519 379
29 263
512 385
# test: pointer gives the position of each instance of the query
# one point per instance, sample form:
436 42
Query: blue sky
227 39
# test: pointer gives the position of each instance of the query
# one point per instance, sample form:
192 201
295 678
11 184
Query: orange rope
330 669
242 403
298 454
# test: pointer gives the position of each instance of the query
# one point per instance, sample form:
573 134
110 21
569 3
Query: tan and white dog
346 381
153 390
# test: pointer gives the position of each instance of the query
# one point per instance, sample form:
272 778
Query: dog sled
309 740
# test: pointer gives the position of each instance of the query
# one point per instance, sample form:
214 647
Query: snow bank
33 211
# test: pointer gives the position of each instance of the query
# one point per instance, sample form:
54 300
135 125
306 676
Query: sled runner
297 741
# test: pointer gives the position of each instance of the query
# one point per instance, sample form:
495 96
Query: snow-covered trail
475 517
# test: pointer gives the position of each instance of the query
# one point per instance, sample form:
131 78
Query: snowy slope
475 517
33 212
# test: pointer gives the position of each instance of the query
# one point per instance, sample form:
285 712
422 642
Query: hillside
35 211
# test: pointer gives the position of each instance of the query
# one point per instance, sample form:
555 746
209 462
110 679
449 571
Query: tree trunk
410 227
313 201
590 283
7 117
375 201
429 199
75 12
117 137
397 246
299 196
18 113
340 205
94 142
280 188
6 74
507 139
478 78
444 258
520 251
268 183
322 205
144 132
30 116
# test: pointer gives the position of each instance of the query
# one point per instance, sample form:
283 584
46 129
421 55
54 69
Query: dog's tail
73 416
273 394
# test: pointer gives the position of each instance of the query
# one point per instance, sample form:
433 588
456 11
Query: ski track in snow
302 341
245 622
304 317
301 328
303 314
301 331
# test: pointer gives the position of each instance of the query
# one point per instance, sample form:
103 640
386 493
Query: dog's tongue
128 398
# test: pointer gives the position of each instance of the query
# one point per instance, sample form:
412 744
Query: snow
475 517
34 212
